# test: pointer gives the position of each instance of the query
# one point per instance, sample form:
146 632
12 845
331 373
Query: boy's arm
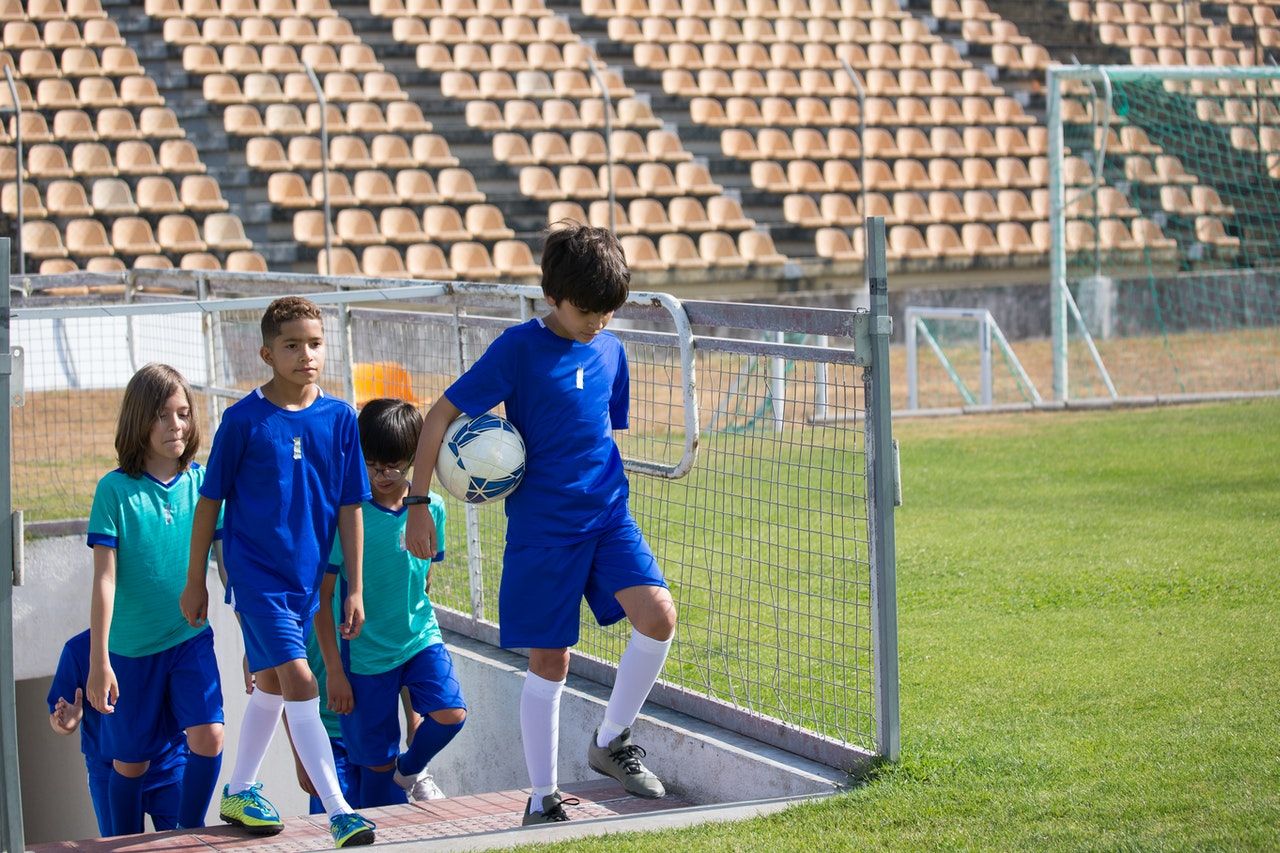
351 532
340 699
195 597
420 530
103 689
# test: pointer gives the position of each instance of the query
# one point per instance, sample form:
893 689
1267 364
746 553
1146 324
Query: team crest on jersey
297 447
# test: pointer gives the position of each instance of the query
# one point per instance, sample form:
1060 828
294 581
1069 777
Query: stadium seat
41 239
46 160
689 215
131 235
570 210
678 251
93 159
640 253
757 247
179 156
400 225
458 185
199 261
111 197
66 199
471 261
343 260
906 241
382 262
1013 238
152 262
406 117
834 244
87 238
432 150
289 190
246 261
514 259
367 117
598 216
718 249
157 122
838 209
415 186
427 260
68 126
178 233
649 216
104 264
485 222
357 227
32 206
223 232
443 223
201 193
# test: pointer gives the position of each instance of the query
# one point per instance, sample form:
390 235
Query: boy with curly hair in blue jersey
570 534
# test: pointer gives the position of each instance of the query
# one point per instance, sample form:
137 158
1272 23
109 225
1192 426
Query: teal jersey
316 662
399 620
148 523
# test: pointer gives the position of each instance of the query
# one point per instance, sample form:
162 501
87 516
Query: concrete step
456 817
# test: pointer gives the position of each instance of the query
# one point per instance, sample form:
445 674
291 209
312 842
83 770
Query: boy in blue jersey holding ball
287 462
162 782
400 645
570 534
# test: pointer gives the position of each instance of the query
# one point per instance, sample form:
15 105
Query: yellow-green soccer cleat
351 830
250 811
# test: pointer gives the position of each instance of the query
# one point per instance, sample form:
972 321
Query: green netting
1174 257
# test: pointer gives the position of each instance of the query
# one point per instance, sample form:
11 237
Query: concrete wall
696 759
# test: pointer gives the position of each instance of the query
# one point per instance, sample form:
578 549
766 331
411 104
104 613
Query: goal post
1164 229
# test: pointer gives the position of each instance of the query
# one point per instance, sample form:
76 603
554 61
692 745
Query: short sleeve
200 472
355 479
489 381
620 399
66 679
104 516
438 517
224 459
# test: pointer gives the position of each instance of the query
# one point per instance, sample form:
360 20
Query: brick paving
415 822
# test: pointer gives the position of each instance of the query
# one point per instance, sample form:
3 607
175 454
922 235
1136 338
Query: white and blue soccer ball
481 459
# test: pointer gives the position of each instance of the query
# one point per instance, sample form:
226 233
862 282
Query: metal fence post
881 490
608 139
11 796
18 151
1057 240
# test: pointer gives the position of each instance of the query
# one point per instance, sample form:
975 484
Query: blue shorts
161 695
272 640
555 580
348 778
372 730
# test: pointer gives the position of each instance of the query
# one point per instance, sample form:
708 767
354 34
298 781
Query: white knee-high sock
260 718
540 733
637 671
312 743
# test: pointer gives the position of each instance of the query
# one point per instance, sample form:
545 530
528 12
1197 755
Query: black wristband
410 500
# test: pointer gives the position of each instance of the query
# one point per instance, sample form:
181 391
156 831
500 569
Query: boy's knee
449 716
551 664
205 740
658 621
297 684
131 769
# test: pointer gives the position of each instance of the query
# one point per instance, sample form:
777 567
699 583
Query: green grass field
1089 616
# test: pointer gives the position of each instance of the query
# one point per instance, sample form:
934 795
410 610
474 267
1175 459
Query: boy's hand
103 689
353 616
341 699
420 532
195 604
66 715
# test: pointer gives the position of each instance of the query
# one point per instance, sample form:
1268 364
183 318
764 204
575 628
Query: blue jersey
283 475
72 673
565 398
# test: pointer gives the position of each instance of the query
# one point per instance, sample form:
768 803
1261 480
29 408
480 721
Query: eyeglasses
386 472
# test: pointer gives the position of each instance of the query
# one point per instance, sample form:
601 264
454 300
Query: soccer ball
481 459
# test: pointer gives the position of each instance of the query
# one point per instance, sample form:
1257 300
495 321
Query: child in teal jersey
147 665
400 645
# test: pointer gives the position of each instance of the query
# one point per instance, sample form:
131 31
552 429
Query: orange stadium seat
427 260
112 197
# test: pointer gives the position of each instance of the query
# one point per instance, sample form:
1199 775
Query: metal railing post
862 154
1057 240
882 490
344 310
17 145
608 139
11 795
324 166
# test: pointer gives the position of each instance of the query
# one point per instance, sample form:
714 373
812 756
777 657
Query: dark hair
283 310
389 430
144 397
584 265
